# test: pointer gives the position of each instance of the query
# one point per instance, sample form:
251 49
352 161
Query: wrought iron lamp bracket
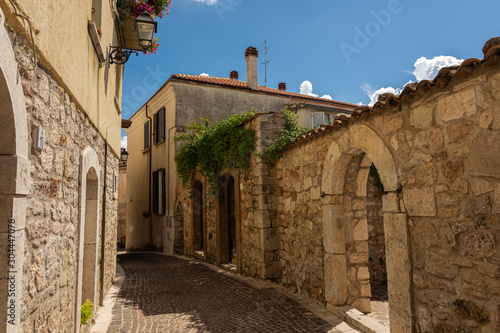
120 56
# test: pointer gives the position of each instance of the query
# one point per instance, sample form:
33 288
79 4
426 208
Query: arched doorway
14 184
345 226
364 237
226 229
179 229
90 238
198 223
88 232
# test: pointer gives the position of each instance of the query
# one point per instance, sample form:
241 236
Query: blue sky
347 49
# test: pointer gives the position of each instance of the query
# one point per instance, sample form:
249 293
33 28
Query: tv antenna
266 61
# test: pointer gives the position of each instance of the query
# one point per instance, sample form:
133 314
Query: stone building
311 221
181 100
60 112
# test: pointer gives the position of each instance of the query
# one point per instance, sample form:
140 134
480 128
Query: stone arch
360 140
360 137
88 231
14 180
179 229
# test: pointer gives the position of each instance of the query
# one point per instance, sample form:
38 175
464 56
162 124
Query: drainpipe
148 213
168 169
167 211
103 222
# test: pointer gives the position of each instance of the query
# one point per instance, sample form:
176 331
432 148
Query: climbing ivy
288 134
227 145
214 147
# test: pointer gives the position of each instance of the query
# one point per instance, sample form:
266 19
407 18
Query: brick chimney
251 54
234 75
282 86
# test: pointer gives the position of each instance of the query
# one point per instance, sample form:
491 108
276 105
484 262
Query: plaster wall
91 87
195 101
155 230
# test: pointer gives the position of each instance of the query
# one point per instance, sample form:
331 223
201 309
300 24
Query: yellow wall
142 231
64 47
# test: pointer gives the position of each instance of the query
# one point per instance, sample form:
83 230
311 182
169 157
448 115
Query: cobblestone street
170 294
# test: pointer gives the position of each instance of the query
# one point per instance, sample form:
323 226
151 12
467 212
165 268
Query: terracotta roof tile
491 51
233 83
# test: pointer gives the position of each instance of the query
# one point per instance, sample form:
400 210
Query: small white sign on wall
39 137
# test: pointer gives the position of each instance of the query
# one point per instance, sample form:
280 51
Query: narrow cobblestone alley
170 294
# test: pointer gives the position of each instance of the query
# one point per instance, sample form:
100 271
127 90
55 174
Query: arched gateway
345 230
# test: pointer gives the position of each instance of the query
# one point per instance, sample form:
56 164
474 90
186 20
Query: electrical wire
23 15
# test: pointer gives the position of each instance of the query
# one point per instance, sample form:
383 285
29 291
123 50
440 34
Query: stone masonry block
335 279
480 186
420 201
398 271
14 175
360 231
333 229
390 203
421 117
12 207
457 105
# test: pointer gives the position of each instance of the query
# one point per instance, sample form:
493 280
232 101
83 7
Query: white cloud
124 142
306 88
204 75
373 94
427 69
327 97
207 2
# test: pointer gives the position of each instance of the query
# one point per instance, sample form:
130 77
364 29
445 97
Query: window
159 192
319 118
159 123
146 135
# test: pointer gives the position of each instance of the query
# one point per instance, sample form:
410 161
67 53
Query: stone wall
256 237
52 216
307 220
299 207
436 154
376 237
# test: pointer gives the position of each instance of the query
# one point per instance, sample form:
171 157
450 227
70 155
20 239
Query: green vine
214 147
287 135
211 148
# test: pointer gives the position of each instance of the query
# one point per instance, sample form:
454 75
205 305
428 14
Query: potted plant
129 10
134 8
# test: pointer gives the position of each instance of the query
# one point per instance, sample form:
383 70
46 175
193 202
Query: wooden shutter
155 192
162 124
155 128
163 191
146 135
